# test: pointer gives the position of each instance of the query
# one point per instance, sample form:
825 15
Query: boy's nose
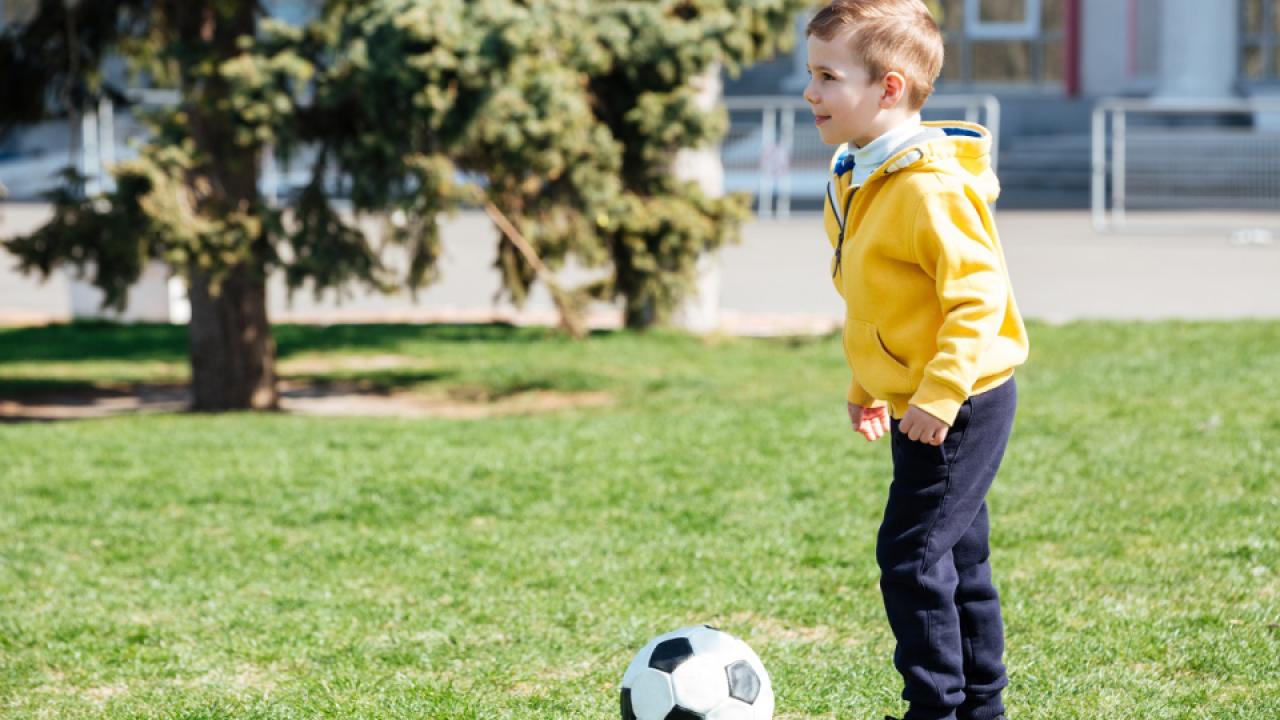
810 94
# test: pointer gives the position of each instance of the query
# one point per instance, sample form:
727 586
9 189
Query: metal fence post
1118 149
1098 189
764 202
787 145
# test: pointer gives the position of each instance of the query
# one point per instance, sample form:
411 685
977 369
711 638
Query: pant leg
981 626
937 496
977 601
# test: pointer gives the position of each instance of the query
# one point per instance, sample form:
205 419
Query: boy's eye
828 76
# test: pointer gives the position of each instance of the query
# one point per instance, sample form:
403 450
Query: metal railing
1220 159
769 154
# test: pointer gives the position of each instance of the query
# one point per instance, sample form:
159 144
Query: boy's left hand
923 427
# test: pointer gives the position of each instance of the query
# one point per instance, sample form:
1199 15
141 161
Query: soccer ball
696 673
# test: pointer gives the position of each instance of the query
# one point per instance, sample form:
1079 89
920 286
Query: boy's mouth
820 119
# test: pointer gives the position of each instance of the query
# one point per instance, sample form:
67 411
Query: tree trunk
640 313
232 349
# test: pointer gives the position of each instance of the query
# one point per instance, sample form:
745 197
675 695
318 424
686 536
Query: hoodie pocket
877 371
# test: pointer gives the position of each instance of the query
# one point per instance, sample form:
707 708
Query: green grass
270 566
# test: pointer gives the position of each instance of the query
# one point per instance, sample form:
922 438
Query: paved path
775 282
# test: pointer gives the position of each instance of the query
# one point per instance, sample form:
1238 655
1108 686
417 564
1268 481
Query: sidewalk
775 281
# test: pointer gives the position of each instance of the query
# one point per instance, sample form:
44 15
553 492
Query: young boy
931 330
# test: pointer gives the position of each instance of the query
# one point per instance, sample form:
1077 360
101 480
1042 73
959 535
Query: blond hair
887 36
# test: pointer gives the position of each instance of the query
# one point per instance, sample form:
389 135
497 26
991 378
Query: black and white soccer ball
696 673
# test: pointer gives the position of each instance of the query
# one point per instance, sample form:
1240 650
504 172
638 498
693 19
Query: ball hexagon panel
641 660
744 684
732 710
651 696
668 655
699 684
709 641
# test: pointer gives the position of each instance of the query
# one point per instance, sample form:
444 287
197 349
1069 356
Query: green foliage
565 114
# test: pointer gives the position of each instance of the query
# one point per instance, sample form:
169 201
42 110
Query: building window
1001 42
1260 41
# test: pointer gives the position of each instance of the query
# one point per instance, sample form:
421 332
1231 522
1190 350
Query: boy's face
846 103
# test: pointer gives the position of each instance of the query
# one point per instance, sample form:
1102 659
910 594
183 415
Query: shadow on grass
22 388
298 339
94 341
378 381
168 343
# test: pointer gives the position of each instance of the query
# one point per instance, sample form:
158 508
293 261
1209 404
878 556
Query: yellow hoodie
930 317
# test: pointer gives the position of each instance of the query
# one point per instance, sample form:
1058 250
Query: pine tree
564 115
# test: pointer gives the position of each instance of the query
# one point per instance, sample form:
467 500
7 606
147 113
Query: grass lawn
275 566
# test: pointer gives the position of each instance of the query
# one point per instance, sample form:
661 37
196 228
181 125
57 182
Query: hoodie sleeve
858 396
954 242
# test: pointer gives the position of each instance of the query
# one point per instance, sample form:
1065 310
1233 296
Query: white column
1199 49
1104 47
701 311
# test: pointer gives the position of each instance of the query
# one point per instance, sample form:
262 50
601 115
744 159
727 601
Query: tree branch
571 320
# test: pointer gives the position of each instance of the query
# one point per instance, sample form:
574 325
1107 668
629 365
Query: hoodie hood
959 149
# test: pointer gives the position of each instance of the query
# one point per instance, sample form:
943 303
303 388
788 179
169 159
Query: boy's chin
832 139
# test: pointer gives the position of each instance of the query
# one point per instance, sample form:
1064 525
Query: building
1047 61
1050 61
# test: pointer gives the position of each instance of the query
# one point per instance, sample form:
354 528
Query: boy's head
868 55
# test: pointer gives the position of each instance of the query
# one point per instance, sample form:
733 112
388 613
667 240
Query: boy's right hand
872 422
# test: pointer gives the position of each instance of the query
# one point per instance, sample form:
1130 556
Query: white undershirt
869 159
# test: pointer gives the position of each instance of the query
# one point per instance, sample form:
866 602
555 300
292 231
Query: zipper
844 231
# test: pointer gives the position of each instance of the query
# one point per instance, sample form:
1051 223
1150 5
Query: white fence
1169 167
768 153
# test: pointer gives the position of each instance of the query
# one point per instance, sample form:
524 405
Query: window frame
1266 40
1039 39
981 30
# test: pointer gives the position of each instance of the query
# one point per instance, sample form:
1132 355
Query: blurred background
1141 125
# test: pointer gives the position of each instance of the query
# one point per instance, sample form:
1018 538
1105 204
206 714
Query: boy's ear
895 91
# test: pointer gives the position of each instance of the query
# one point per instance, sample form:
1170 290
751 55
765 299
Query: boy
931 330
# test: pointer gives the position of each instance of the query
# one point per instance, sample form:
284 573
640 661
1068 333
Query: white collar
869 159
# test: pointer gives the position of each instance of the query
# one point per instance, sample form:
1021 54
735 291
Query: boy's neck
887 122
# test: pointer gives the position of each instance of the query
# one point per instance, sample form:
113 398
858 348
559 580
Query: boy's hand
872 422
923 427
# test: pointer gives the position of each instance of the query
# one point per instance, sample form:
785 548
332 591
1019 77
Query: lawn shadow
378 364
83 341
299 339
80 341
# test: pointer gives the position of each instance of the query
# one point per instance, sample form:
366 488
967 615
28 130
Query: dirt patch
774 629
298 398
403 404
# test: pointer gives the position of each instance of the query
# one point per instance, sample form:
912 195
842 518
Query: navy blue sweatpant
934 569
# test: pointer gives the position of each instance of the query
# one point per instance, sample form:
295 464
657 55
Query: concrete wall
1104 47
